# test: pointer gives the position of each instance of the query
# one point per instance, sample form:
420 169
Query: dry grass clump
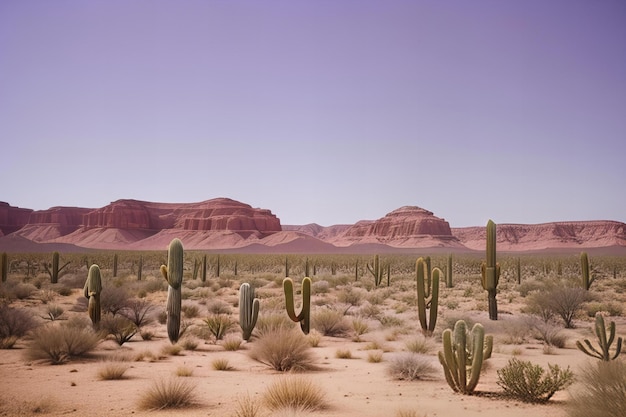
343 354
601 391
411 366
284 350
271 322
420 344
171 350
330 322
294 393
314 337
375 356
247 407
222 364
58 344
232 342
112 371
407 412
189 343
121 328
219 324
168 393
184 371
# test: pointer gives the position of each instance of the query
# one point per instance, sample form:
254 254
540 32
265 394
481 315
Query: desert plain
353 356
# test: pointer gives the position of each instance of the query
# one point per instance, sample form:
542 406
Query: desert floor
353 387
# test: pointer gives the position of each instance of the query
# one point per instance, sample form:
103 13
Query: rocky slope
228 225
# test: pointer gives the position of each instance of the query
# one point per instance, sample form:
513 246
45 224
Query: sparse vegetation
284 350
531 383
169 393
60 343
601 391
295 393
411 366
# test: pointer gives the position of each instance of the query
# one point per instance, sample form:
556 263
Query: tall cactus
304 317
449 283
490 271
248 310
173 274
115 265
587 279
377 270
54 269
427 295
4 266
140 268
203 274
462 359
92 291
604 342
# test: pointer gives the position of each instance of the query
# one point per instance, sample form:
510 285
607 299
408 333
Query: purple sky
326 111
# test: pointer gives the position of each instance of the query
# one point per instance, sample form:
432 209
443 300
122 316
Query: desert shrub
359 327
218 306
168 393
232 342
530 286
601 391
531 383
390 321
14 323
375 356
23 291
516 331
138 310
271 322
284 350
549 333
112 371
295 393
566 302
190 310
330 322
189 343
113 299
219 324
222 364
370 311
320 287
119 327
612 308
171 350
146 334
59 344
162 317
406 412
314 337
53 312
411 366
351 295
420 344
64 291
538 304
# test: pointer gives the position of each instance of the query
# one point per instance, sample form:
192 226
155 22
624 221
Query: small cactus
203 274
427 295
140 268
449 283
490 271
462 359
4 266
92 291
54 270
377 270
248 310
587 279
115 265
173 274
604 342
304 317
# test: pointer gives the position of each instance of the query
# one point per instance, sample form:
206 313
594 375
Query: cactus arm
460 341
248 310
434 300
447 372
289 300
591 351
420 268
488 347
618 348
478 338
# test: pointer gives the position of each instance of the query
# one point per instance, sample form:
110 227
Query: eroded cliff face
12 218
520 237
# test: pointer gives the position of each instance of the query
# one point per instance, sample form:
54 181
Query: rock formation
12 218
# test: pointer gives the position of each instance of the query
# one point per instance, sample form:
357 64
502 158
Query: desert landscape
361 346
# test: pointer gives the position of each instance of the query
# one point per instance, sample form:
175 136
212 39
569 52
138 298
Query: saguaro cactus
248 310
203 274
173 274
304 317
490 271
462 363
54 269
377 270
4 266
92 291
427 295
140 268
115 265
449 283
604 342
587 279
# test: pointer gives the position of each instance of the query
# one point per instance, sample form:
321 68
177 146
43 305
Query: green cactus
114 265
248 310
427 295
54 269
518 267
462 357
306 268
490 271
377 270
304 317
92 291
604 343
587 279
449 283
4 266
356 271
217 267
196 269
203 275
286 267
173 274
140 268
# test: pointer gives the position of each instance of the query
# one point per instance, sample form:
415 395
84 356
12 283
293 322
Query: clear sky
326 111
